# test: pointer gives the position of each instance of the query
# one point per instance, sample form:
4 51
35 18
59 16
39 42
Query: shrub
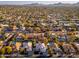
2 51
8 49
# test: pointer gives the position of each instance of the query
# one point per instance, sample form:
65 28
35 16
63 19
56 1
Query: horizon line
39 2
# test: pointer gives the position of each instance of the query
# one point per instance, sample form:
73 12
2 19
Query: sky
20 2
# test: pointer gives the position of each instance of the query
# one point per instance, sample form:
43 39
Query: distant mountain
61 4
34 4
55 4
76 4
